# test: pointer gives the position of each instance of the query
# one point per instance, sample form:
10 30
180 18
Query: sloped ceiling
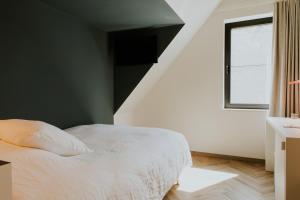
114 15
194 13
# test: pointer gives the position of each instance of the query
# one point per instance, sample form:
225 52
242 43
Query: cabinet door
280 168
5 182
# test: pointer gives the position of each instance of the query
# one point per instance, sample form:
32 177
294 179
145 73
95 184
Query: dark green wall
53 67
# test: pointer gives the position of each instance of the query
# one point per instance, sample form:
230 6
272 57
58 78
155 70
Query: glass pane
251 50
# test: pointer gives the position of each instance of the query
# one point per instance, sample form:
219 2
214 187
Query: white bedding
128 163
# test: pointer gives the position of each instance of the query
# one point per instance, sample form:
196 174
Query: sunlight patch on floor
194 179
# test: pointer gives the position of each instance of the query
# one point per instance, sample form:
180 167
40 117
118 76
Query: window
248 50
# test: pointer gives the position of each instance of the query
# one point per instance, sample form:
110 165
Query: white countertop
280 123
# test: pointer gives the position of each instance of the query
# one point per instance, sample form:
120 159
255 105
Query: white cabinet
279 168
283 155
5 181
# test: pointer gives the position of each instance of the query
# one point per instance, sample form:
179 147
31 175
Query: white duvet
128 163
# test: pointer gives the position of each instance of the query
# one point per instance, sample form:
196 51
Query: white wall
189 96
194 13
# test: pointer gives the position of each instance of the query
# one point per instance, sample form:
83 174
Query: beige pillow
38 134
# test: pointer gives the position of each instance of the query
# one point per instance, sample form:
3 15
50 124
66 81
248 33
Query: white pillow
37 134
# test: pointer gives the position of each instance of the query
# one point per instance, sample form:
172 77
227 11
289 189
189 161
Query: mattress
128 163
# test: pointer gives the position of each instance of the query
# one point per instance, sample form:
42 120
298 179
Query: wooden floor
223 179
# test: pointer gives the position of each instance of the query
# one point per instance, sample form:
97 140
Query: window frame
227 64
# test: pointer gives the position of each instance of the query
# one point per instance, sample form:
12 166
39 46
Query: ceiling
114 15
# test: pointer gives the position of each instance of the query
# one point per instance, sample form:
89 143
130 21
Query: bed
127 163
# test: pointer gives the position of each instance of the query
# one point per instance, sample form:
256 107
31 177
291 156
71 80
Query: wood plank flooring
223 179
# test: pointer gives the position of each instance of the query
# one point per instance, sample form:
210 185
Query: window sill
245 109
